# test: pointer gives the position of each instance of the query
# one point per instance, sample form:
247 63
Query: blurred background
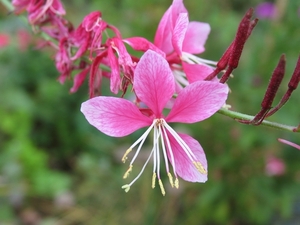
57 169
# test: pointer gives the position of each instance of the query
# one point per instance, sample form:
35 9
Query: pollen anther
176 183
127 172
200 167
153 180
124 158
171 179
161 187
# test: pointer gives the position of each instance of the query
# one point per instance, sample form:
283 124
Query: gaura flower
266 10
179 39
275 166
154 86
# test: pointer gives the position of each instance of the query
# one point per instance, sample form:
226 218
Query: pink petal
195 37
183 165
79 79
115 79
58 8
91 20
177 7
196 72
163 33
198 101
154 82
113 116
142 44
179 32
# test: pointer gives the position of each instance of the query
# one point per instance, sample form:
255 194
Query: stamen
181 142
164 150
171 179
124 158
161 187
190 58
170 151
180 77
141 140
127 172
153 180
156 149
199 167
127 186
176 183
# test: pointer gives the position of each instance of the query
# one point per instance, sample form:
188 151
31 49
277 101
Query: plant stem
7 4
236 115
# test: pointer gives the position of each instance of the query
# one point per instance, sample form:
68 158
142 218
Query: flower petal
196 72
195 37
115 79
142 44
79 79
179 31
163 33
198 101
113 116
154 82
183 165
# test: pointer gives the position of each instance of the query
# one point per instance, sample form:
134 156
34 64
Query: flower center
161 144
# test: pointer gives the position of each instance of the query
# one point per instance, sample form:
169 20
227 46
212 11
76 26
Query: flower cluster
170 84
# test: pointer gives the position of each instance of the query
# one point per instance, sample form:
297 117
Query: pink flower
266 10
275 166
154 86
4 40
179 39
289 143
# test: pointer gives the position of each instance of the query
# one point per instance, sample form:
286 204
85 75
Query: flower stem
7 4
240 116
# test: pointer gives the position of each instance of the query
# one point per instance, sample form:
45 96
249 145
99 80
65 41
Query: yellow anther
126 187
161 187
127 172
200 167
171 179
176 183
153 180
124 158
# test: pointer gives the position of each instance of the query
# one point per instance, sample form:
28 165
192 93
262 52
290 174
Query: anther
176 183
171 179
161 187
200 167
153 180
127 172
124 158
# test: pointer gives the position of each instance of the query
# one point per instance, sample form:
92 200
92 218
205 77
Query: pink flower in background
38 9
4 40
266 10
24 39
275 166
154 86
289 143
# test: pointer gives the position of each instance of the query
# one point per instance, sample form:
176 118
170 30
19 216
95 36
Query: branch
240 116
